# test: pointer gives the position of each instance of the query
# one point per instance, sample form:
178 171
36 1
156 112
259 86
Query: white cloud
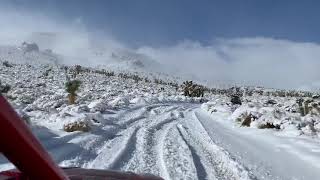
68 38
251 61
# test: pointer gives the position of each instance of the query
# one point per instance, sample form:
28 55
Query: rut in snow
150 139
126 152
201 172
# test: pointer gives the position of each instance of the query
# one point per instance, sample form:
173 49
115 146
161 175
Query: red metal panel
22 148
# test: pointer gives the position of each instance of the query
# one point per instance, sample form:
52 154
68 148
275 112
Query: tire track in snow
150 141
76 149
129 117
168 154
116 152
161 145
176 157
127 143
152 131
201 172
60 147
126 152
136 115
212 155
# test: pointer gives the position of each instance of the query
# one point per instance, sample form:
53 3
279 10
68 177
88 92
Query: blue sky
165 22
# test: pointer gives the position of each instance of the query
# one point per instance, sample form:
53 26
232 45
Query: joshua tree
307 108
301 109
71 88
304 106
192 90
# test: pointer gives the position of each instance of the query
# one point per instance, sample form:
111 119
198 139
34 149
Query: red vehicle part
21 147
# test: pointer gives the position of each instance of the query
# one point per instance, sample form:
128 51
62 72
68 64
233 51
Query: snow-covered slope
148 127
118 60
17 54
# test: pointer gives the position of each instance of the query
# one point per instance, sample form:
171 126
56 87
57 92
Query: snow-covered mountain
119 60
17 54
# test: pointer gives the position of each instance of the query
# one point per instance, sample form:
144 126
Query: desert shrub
109 73
247 119
316 96
77 126
46 73
147 80
235 99
71 88
271 102
202 100
249 93
173 84
6 64
4 88
282 93
136 78
192 90
77 69
268 126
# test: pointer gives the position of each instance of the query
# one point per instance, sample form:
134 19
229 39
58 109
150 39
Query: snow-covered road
165 140
181 141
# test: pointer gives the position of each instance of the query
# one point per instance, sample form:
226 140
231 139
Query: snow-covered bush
282 113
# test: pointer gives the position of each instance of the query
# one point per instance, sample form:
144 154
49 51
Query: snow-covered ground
147 127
